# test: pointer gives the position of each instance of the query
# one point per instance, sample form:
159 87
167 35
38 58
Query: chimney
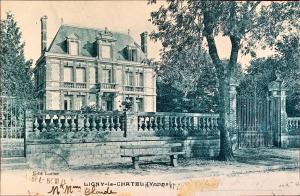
43 34
144 37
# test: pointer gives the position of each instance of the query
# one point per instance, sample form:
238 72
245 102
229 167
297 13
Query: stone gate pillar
278 114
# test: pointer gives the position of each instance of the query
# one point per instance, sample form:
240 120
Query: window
92 75
68 74
80 102
80 75
107 104
132 54
107 76
129 78
139 79
140 104
73 48
67 102
106 52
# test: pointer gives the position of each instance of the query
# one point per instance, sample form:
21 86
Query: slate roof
87 36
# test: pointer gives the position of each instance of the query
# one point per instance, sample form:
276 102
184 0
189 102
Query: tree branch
254 6
212 48
235 46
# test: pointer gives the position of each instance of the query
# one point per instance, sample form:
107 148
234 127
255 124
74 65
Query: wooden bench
135 156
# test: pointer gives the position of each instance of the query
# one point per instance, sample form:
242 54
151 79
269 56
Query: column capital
233 81
278 85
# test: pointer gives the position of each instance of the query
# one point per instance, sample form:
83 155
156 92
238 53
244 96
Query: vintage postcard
131 98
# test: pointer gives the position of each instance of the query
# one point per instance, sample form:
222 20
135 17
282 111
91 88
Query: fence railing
12 117
293 125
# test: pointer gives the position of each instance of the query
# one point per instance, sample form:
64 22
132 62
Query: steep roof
87 37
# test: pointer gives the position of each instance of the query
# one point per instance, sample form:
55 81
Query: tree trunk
226 153
225 124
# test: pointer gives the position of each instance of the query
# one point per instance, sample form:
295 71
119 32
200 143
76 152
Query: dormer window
105 44
106 52
131 53
73 44
73 48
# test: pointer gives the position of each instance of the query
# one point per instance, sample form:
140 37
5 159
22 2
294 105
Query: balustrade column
166 124
141 123
66 125
44 124
51 124
94 123
195 125
59 124
100 124
118 124
80 122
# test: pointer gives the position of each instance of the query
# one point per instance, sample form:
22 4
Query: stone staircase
12 163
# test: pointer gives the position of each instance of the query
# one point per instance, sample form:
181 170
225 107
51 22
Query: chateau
94 67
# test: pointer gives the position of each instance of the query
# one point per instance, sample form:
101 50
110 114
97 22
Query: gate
254 121
12 129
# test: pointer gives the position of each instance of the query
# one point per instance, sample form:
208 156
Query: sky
115 15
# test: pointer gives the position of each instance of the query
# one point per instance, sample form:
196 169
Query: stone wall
46 154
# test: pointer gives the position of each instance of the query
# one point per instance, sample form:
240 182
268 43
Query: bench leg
173 160
135 162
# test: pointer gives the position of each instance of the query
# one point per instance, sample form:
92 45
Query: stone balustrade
75 124
108 86
293 125
74 85
139 89
134 88
178 124
128 88
97 125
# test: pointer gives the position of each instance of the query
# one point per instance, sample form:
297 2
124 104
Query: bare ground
260 171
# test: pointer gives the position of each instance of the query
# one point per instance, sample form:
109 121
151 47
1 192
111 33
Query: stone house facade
94 67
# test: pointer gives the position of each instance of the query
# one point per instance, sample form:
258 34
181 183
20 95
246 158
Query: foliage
285 62
16 74
247 24
91 108
187 83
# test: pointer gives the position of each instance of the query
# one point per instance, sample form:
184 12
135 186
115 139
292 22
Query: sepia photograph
149 97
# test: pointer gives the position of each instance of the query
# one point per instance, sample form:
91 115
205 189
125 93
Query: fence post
28 128
278 107
131 124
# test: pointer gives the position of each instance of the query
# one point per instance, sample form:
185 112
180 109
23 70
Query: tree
263 70
186 83
16 75
247 25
